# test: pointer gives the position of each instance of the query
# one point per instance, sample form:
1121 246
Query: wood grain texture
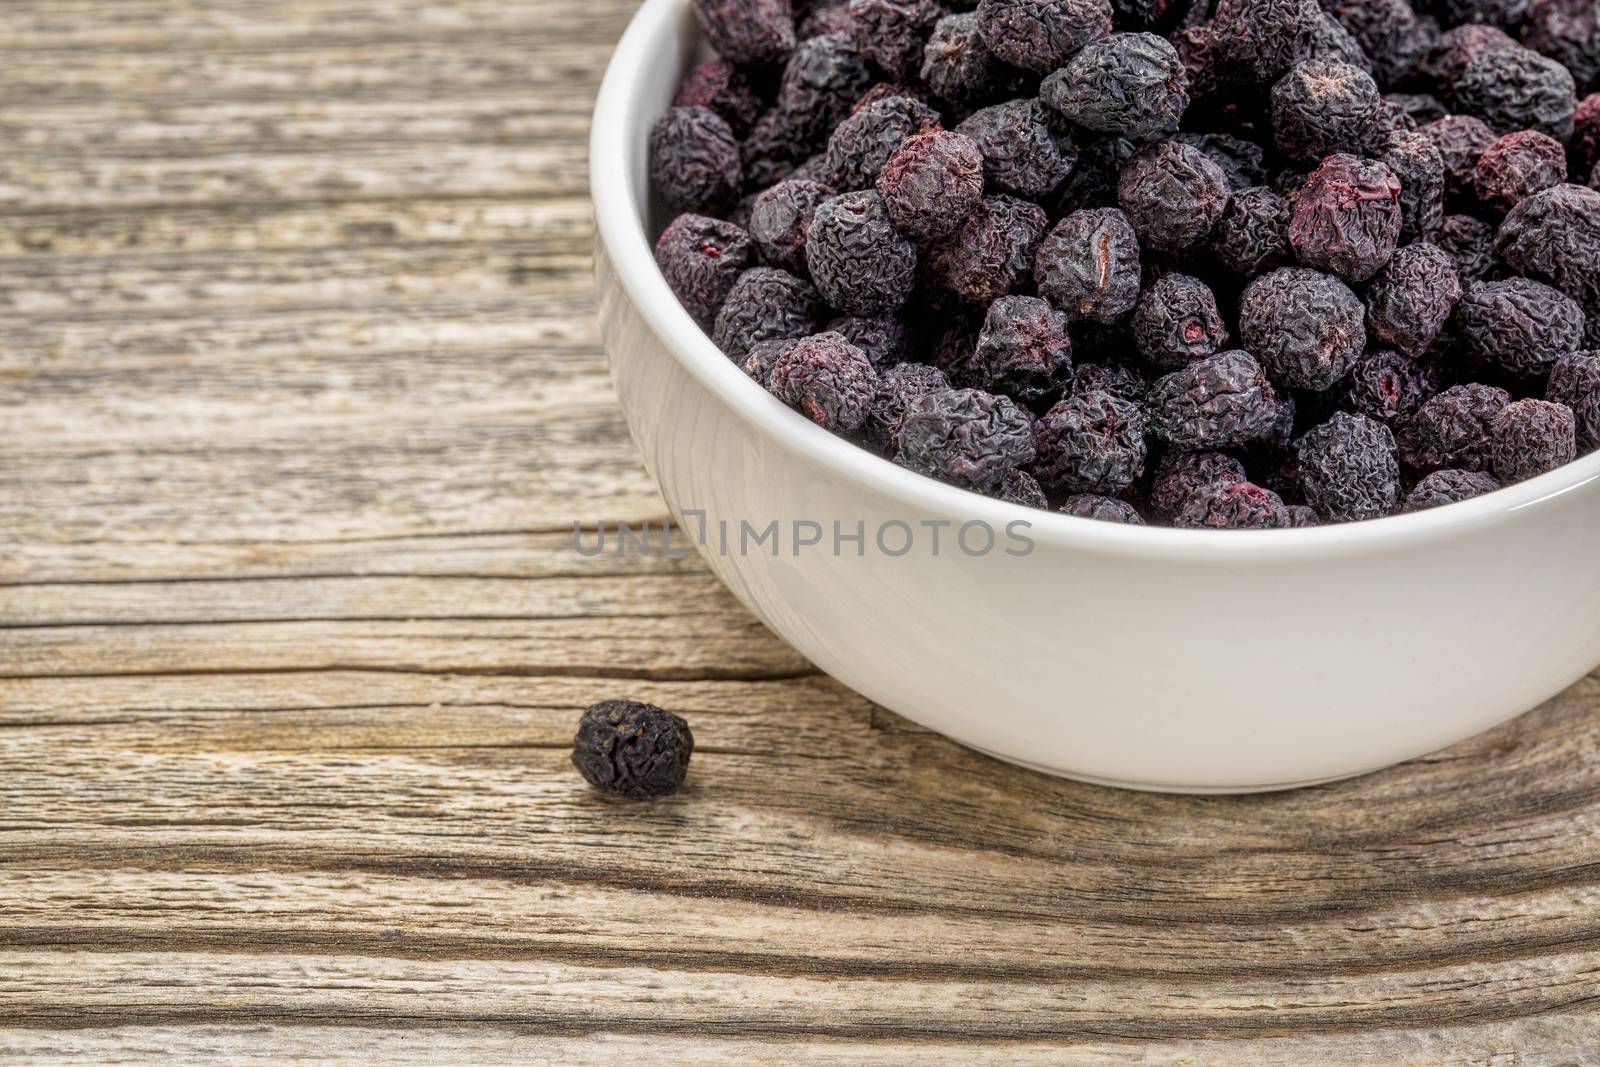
300 395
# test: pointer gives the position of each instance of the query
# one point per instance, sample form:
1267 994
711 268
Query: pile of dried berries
1214 263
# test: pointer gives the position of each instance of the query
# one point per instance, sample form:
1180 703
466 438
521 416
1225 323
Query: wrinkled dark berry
780 219
1302 516
1469 242
1234 506
1088 265
965 436
761 358
1176 322
1584 148
897 388
821 82
1261 39
694 160
1388 31
956 63
1179 476
1252 236
893 33
830 18
1529 438
1518 325
1322 108
983 258
1494 12
861 265
632 749
1346 219
1040 35
776 145
1567 31
1518 89
1410 300
827 379
1575 381
1452 429
723 88
1020 487
932 182
1389 387
1023 350
1448 57
1554 235
1243 162
1120 381
1305 327
1090 443
1173 195
1418 109
1093 180
861 144
1419 168
1332 43
1517 166
1101 508
1132 84
701 258
1348 468
1460 139
765 304
1021 153
752 32
884 339
1448 487
1219 402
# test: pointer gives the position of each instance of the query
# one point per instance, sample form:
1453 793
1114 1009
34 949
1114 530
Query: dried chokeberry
993 247
751 32
1517 166
1518 326
1252 237
1234 506
883 339
1451 429
1090 443
1319 109
1419 168
1178 476
780 219
1020 487
1389 32
1022 154
1567 31
965 436
1101 508
932 182
1176 321
1115 378
632 749
1349 469
1222 401
1554 235
701 258
861 144
1173 195
761 358
893 33
1088 265
1575 381
725 89
765 304
1040 35
827 379
1257 40
823 79
1389 387
1518 89
1131 84
1346 218
1584 147
860 263
694 160
1530 437
897 388
1305 327
1469 242
957 65
1461 140
1410 300
1448 487
1023 350
1243 162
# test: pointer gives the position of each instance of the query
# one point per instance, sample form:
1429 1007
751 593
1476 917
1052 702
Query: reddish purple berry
1346 219
1451 429
1517 166
1410 300
985 256
751 32
1322 108
1389 387
1575 381
1040 35
1234 506
701 258
725 89
1173 195
1180 475
1529 438
780 219
1348 468
893 33
932 182
861 144
827 379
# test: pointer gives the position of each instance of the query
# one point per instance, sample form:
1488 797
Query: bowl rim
620 221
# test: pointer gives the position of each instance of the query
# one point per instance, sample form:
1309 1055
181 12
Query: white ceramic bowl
1143 657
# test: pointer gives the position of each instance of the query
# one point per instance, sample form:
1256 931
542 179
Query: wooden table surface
300 394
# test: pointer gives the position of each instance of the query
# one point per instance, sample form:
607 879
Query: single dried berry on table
1517 326
1389 387
1348 468
632 749
694 160
1346 218
1410 300
932 182
765 304
1088 265
780 219
1023 350
965 436
828 380
1101 508
1448 487
1322 108
1529 438
1040 35
985 256
1305 327
701 258
1451 429
861 144
1090 443
1173 195
1176 322
1022 154
859 262
1517 166
1219 402
1132 84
